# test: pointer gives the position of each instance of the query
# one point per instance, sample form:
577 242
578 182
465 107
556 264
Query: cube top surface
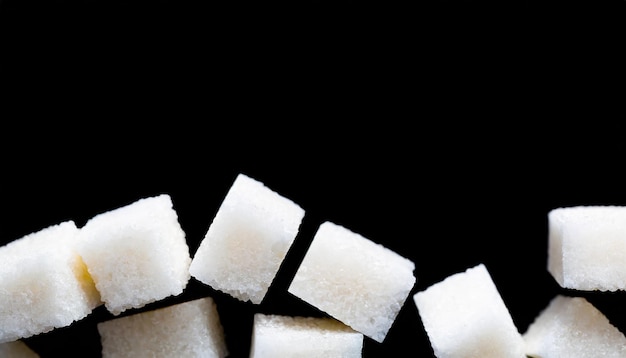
468 299
354 279
573 327
247 240
295 337
136 253
187 329
43 283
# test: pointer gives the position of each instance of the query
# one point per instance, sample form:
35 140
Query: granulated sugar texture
44 283
247 240
136 254
587 247
355 280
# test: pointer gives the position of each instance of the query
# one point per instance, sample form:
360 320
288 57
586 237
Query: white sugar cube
16 349
247 240
136 254
355 280
44 284
188 329
303 337
587 247
465 316
573 327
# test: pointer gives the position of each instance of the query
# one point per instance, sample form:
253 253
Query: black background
445 131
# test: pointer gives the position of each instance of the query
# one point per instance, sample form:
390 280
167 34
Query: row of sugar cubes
137 254
464 315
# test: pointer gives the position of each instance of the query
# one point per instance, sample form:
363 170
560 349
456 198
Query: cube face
189 329
136 254
464 316
587 247
43 283
247 240
16 349
353 279
293 337
573 327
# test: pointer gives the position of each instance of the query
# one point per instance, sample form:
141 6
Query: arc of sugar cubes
117 259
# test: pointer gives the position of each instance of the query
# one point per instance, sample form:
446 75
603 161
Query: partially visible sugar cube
573 327
136 254
16 349
247 241
189 329
353 279
303 337
465 316
44 284
587 247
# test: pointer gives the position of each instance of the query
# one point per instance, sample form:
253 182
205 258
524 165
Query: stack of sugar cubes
131 256
465 316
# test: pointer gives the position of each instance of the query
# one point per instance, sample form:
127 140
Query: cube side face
16 349
280 336
189 329
358 282
573 327
125 250
555 247
247 241
593 247
464 316
40 286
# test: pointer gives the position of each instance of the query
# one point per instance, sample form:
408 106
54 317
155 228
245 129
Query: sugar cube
587 247
247 241
573 327
16 349
302 337
465 316
188 329
44 284
136 254
355 280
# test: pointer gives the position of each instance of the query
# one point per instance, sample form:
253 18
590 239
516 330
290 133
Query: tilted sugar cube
573 327
189 329
465 316
44 284
16 349
136 254
247 241
302 337
353 279
587 247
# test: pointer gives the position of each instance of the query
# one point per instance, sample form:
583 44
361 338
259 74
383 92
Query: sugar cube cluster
465 316
136 254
